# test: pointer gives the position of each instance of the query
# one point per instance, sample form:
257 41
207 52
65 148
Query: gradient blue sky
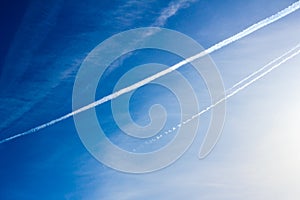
42 46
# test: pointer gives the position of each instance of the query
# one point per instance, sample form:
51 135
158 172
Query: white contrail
292 8
263 68
234 89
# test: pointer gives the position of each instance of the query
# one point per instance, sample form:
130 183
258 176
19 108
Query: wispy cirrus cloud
133 12
171 10
128 14
37 23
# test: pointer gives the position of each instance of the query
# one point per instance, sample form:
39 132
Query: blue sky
42 47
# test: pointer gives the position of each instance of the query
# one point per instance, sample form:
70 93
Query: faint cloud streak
171 10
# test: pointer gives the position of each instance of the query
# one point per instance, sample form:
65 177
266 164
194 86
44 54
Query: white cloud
129 13
171 10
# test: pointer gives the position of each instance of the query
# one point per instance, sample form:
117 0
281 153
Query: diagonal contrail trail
235 89
292 8
263 68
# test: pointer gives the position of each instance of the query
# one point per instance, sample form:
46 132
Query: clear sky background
42 46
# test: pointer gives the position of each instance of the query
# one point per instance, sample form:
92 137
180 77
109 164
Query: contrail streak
234 89
263 68
292 8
